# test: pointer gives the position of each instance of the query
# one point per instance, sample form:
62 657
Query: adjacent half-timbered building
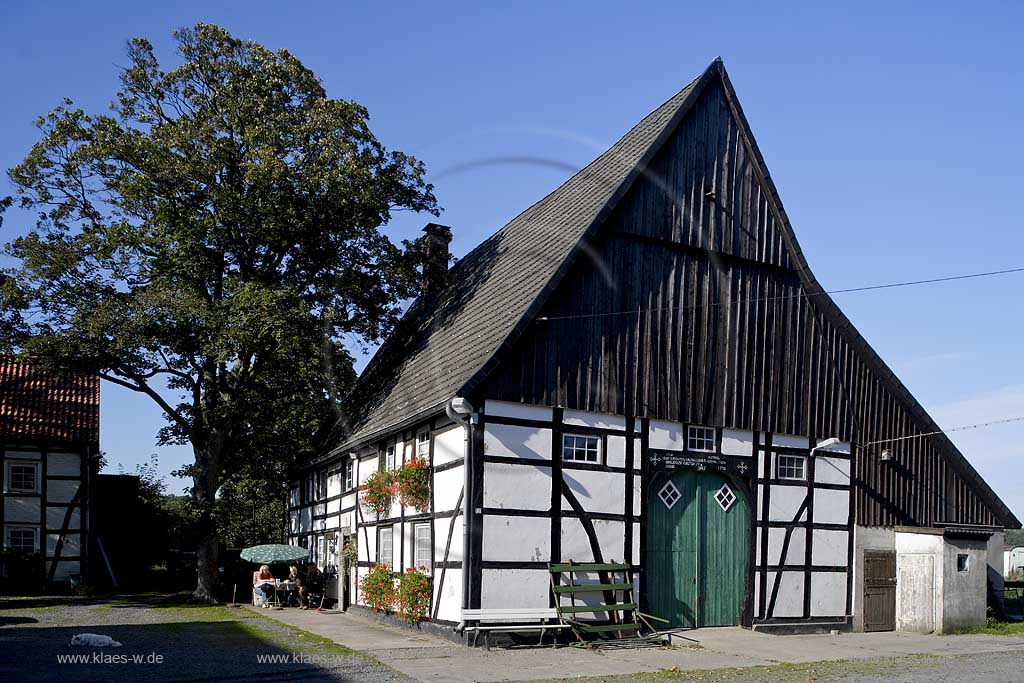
642 368
49 442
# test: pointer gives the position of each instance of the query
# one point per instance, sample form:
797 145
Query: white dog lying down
94 640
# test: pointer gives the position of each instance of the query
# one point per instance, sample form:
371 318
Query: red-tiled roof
38 405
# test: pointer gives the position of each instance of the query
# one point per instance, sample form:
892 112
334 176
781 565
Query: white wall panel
637 501
441 529
616 455
831 470
520 411
830 506
517 486
784 501
63 465
367 467
55 518
61 490
576 544
830 548
795 553
790 441
598 420
449 445
516 539
667 435
737 442
65 569
447 487
514 588
448 594
828 594
517 442
790 598
595 491
72 545
21 509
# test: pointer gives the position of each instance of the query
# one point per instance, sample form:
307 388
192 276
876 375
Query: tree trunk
205 479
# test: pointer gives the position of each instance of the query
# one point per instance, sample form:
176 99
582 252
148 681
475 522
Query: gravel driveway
167 642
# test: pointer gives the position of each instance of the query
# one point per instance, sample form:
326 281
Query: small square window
422 551
700 439
423 445
963 562
581 448
792 467
21 538
669 495
350 474
385 547
23 477
725 497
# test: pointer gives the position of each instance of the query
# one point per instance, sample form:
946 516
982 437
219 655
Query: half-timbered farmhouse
49 441
642 368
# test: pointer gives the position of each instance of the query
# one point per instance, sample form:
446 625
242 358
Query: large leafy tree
210 244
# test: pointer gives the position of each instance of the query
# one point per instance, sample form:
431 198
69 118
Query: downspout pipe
460 410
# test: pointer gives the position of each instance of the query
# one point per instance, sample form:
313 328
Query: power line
801 293
945 431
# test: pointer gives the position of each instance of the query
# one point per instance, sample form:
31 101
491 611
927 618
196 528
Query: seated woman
313 583
296 580
263 585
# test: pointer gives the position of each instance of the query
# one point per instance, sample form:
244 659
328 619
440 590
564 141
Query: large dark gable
482 332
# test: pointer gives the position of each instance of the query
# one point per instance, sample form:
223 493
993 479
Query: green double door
698 530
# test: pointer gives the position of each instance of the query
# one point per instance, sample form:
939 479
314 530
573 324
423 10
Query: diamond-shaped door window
725 497
669 495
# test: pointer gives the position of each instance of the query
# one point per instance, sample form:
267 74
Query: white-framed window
792 467
321 485
23 538
700 439
423 445
389 457
350 474
385 547
22 476
422 555
581 448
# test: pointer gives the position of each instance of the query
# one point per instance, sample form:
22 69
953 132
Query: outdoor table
283 586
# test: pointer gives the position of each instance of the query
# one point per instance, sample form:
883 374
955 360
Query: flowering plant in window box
379 492
414 595
413 483
378 589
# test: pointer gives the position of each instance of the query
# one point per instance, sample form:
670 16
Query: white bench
516 620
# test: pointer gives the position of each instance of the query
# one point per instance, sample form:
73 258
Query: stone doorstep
804 628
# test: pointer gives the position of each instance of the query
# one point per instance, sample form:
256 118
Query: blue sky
891 132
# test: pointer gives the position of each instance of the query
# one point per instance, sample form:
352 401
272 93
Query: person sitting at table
312 583
295 579
263 584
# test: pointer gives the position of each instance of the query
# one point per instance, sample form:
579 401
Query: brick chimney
435 257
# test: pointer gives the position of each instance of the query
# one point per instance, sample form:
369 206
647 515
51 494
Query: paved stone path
427 658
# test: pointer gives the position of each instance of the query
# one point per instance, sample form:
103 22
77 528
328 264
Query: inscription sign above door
702 462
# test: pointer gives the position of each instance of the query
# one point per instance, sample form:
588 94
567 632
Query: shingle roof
441 344
38 405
